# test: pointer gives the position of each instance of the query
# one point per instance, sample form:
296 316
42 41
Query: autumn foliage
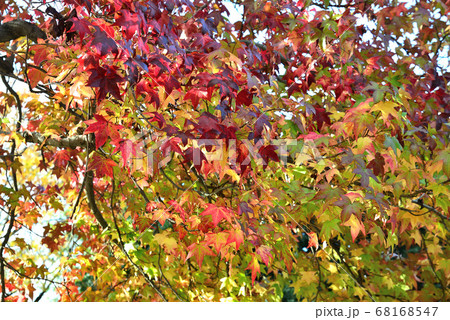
172 151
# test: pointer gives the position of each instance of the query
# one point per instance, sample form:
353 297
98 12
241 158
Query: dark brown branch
2 248
91 199
432 209
14 29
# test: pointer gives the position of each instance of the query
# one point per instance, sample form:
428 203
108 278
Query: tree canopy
191 150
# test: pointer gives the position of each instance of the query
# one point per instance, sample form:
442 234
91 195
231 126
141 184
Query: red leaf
106 79
155 116
102 129
195 95
268 152
80 26
103 43
61 158
129 22
254 267
217 213
218 240
377 165
245 97
321 116
102 166
236 236
171 145
126 147
178 208
264 253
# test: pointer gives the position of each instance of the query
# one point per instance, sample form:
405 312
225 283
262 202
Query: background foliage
358 210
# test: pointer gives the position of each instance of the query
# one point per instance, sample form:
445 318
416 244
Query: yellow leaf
386 108
234 176
170 244
309 277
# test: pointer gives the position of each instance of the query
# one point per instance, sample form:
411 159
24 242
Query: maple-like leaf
254 267
244 97
356 226
329 226
236 236
106 80
377 165
102 166
126 147
217 213
170 244
199 251
62 157
172 144
161 215
365 175
155 117
81 26
103 43
217 240
264 252
268 152
130 22
197 94
313 240
321 116
178 208
103 129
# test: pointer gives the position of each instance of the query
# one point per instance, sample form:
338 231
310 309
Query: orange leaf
355 226
236 236
313 241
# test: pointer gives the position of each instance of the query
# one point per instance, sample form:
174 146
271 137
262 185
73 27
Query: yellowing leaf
309 277
386 108
355 226
169 244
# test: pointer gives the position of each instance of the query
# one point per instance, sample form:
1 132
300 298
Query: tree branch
17 28
70 142
91 199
